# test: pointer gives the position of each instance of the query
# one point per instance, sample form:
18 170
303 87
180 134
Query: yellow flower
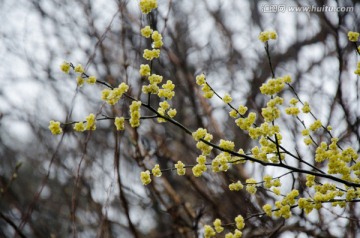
226 144
146 31
145 177
227 98
79 69
91 122
239 220
172 112
156 171
180 168
119 123
353 36
267 35
146 6
144 70
80 81
55 128
135 114
208 231
79 126
236 186
200 79
151 54
217 226
65 67
306 107
267 209
91 80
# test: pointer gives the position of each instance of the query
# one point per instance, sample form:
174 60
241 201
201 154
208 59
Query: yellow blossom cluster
151 54
146 31
217 225
326 192
119 123
247 122
353 36
251 185
205 148
200 167
274 86
207 91
237 186
270 182
210 231
144 70
227 98
152 88
180 168
271 111
156 171
164 108
226 144
156 44
135 113
167 90
267 35
65 67
241 110
114 95
145 177
283 207
339 161
80 79
90 124
146 6
306 108
221 162
55 127
308 204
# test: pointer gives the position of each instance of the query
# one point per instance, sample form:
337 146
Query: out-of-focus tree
87 184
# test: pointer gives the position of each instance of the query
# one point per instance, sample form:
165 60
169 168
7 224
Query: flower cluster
164 108
55 127
221 162
284 206
145 177
114 95
251 185
167 90
236 186
119 123
207 91
135 113
153 87
200 167
267 35
180 168
156 171
90 124
353 36
156 44
274 86
241 110
271 111
146 6
80 79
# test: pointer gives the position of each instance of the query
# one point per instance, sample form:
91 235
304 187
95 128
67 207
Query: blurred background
87 184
